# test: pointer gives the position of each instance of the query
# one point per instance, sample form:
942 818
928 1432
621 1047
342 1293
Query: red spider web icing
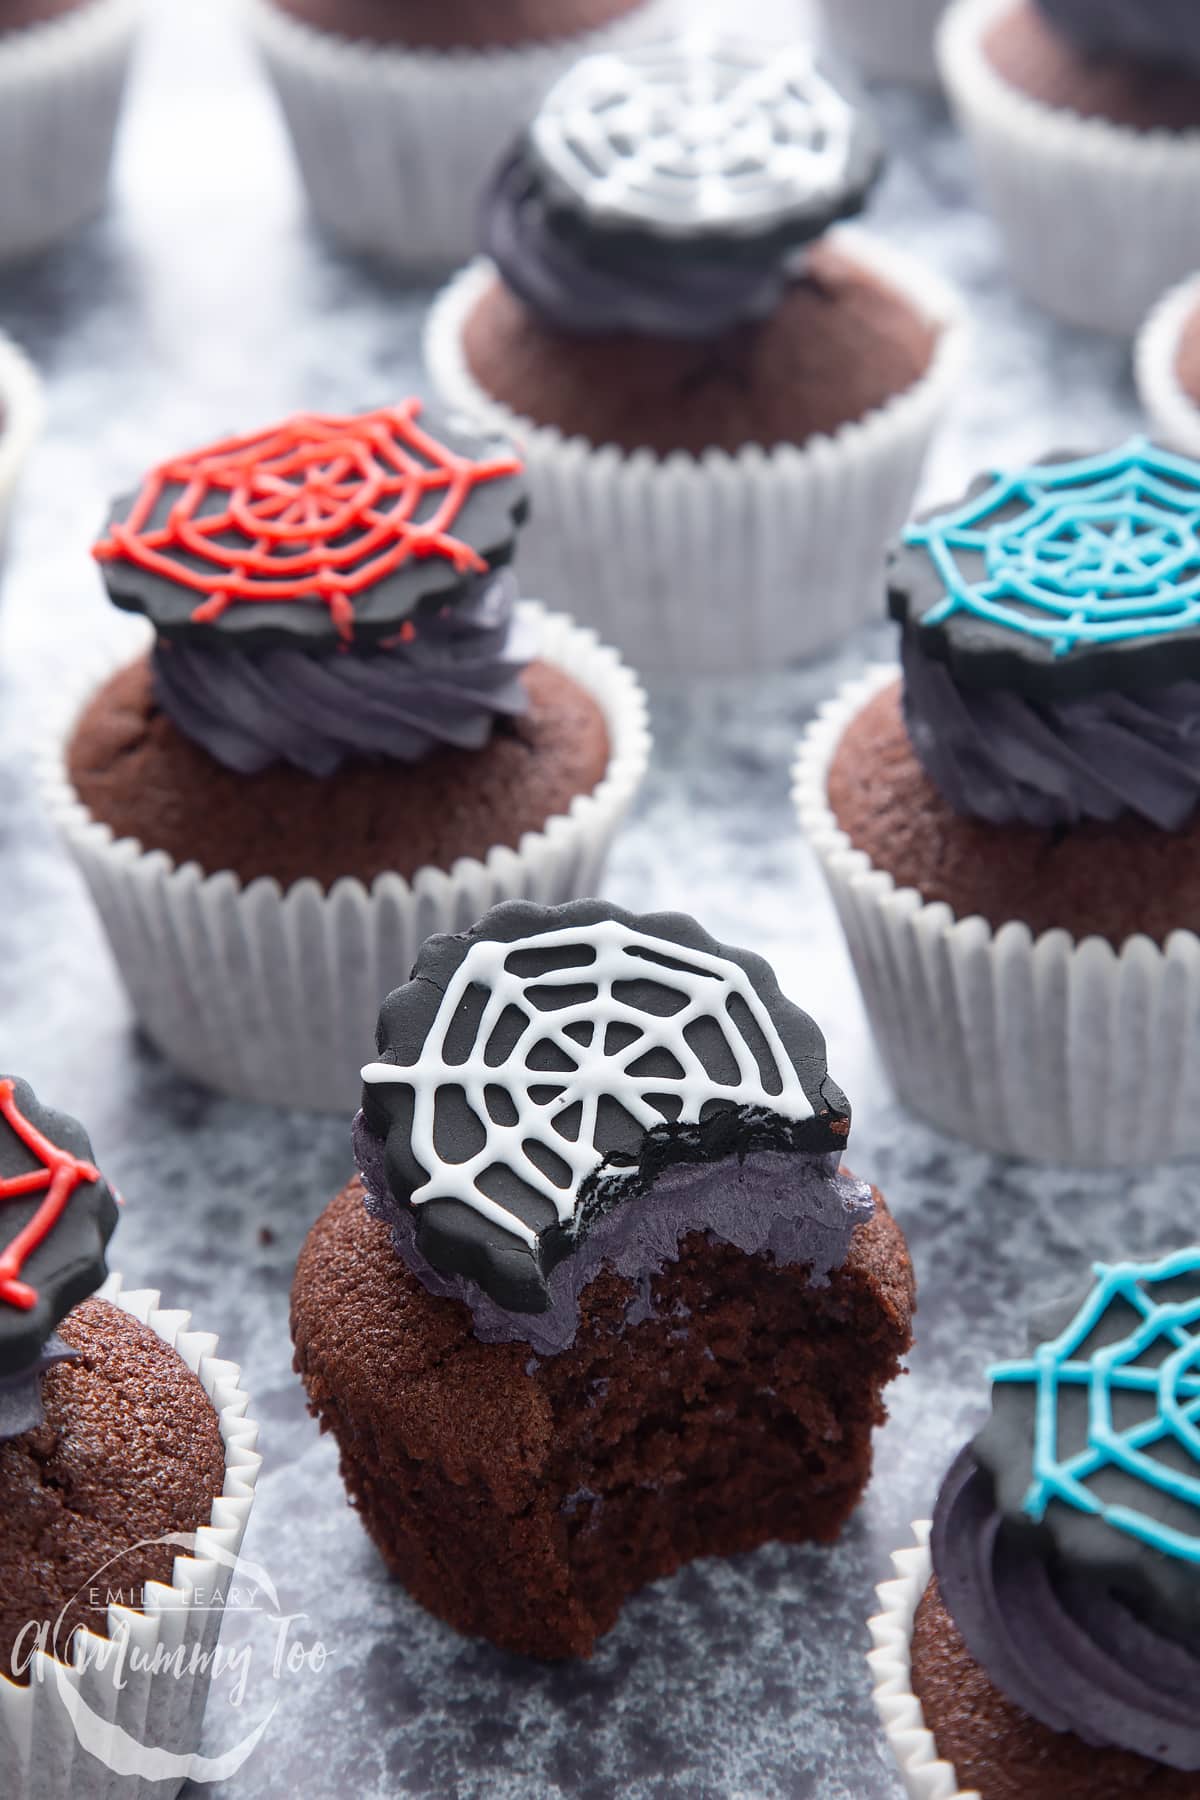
323 507
60 1174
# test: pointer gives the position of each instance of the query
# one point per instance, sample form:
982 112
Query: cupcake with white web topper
716 393
596 1148
1010 823
1043 1638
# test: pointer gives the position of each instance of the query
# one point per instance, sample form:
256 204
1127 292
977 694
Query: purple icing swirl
447 686
798 1207
693 295
1063 1648
21 1394
997 756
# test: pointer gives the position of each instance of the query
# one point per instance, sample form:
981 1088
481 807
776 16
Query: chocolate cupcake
1043 1640
122 1440
397 109
624 1305
1009 827
20 420
62 75
348 732
717 395
1084 116
887 40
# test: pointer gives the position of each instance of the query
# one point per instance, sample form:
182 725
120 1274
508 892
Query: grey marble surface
203 303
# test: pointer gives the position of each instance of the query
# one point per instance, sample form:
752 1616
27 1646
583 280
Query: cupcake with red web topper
348 732
127 1465
724 396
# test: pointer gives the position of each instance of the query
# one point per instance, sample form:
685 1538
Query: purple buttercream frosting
798 1207
570 281
998 756
21 1394
445 685
1065 1649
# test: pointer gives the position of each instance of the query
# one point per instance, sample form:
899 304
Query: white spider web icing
610 954
706 132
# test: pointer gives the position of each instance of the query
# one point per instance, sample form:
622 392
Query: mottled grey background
203 304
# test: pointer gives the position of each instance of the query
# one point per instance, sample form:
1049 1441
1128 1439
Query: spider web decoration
316 508
58 1177
1099 551
553 1057
702 133
1159 1360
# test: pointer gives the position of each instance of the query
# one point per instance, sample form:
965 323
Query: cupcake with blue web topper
1009 824
719 389
1043 1639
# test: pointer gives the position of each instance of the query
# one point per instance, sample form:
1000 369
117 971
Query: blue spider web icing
1100 550
1171 1327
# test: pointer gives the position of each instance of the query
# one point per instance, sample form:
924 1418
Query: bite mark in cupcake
624 1305
549 1068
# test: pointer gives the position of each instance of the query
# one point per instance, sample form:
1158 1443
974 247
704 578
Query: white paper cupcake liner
1174 415
20 418
396 146
274 995
1098 219
60 97
1051 1048
718 564
45 1726
926 1776
887 40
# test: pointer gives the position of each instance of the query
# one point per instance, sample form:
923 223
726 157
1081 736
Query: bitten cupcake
347 733
888 40
62 74
723 404
1043 1641
20 419
397 109
1168 367
601 1298
1009 827
1084 116
121 1437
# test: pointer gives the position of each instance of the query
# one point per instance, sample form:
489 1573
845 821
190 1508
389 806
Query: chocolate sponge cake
624 1306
